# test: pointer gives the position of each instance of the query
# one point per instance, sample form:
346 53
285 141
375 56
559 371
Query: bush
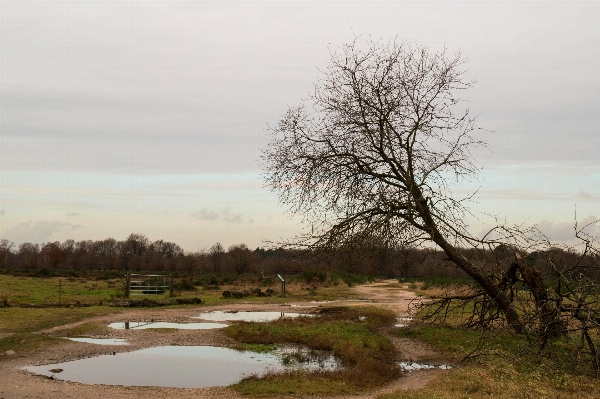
437 281
184 285
350 278
313 276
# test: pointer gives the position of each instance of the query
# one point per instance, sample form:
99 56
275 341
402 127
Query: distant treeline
138 254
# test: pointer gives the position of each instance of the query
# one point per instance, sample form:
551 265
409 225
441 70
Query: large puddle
219 315
100 341
173 366
142 325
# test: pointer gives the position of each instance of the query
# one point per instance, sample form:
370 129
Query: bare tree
378 150
6 247
375 154
216 252
132 250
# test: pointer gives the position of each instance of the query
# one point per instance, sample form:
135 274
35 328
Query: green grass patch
82 330
22 320
18 290
347 332
258 348
26 343
293 383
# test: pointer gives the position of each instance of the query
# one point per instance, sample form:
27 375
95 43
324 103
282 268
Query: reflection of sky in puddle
219 315
411 366
167 366
142 325
100 341
305 358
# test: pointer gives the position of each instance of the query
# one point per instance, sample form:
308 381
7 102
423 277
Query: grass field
500 373
96 290
497 373
18 290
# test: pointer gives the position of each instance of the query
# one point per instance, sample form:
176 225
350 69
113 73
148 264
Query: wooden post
59 290
171 287
128 284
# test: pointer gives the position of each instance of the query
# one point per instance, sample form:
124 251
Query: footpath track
17 384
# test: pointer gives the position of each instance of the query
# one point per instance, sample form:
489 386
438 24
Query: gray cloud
38 232
2 212
557 232
232 218
191 86
203 214
564 232
560 232
72 214
585 196
224 215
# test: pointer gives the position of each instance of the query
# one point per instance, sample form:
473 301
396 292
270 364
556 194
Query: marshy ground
30 336
388 295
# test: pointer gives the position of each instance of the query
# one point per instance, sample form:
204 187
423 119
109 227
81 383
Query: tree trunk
479 274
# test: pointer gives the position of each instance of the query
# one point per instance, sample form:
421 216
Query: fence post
128 285
59 289
171 287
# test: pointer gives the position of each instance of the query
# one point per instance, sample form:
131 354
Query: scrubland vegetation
347 332
491 361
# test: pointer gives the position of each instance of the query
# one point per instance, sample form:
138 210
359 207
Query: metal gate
148 284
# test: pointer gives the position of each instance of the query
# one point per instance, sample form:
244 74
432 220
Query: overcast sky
149 117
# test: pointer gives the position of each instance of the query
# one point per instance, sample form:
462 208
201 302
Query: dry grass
499 372
347 333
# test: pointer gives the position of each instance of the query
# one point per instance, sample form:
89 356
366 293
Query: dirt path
15 383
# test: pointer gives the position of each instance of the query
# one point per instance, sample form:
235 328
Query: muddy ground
16 383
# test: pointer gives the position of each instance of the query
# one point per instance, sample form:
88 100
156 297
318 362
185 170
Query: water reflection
142 325
100 341
168 366
219 315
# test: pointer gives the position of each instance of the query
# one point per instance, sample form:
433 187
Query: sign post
282 284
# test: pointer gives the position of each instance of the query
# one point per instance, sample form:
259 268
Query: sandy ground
16 383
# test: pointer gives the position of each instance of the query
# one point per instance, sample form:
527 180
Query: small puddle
172 366
142 325
412 366
219 315
404 321
304 358
100 341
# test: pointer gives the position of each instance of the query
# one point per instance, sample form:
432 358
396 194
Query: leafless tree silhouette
374 153
378 152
